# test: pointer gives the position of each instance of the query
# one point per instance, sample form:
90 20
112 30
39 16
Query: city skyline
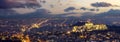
59 20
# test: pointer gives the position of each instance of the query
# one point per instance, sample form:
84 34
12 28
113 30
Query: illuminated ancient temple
89 26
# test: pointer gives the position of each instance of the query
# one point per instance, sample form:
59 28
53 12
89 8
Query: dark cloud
97 9
89 9
8 13
83 8
52 6
43 1
4 12
103 4
43 11
92 9
69 9
6 4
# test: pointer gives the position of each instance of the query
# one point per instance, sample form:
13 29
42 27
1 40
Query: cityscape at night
59 21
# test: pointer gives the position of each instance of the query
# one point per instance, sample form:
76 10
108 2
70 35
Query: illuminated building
25 28
21 37
26 39
82 36
89 26
35 26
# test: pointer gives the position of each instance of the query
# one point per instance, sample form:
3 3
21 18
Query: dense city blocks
56 30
